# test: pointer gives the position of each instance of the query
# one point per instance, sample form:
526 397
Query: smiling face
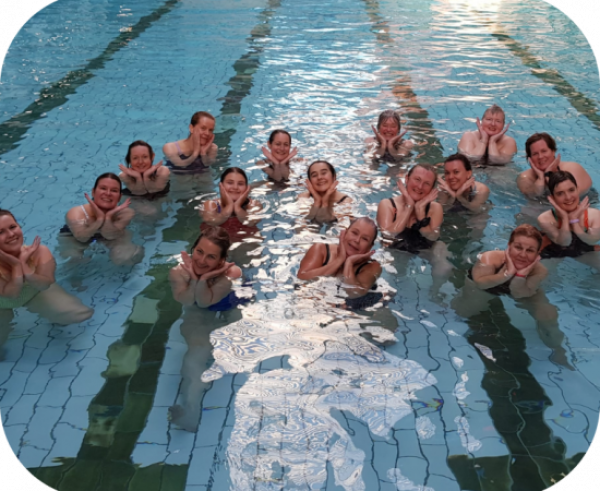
566 195
140 159
11 235
420 183
107 194
456 174
204 128
523 251
541 154
206 257
280 147
492 123
389 128
235 184
320 177
359 238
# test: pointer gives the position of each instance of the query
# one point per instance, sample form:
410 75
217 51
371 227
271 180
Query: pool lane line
13 130
418 117
584 105
122 405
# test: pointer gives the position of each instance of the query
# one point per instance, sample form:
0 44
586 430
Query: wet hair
428 168
4 213
200 114
526 230
462 158
536 137
555 178
494 109
236 170
218 236
137 143
331 168
389 114
108 175
370 222
274 133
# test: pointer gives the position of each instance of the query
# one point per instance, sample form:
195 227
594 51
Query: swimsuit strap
361 267
178 147
87 217
326 255
427 209
395 207
218 206
341 200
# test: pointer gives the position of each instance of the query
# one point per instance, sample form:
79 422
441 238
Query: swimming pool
469 405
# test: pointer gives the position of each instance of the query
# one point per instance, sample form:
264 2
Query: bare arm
209 293
501 148
482 193
156 178
524 286
12 287
183 285
42 276
559 235
473 144
484 272
360 284
133 180
171 152
312 266
81 227
116 220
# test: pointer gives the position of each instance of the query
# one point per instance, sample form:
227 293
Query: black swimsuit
576 248
458 206
410 239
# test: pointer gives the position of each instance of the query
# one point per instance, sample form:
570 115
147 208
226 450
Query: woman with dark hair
460 190
196 152
278 155
322 188
204 277
27 280
387 141
103 218
572 228
233 202
350 259
140 176
540 149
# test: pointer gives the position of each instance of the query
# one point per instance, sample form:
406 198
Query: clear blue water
292 396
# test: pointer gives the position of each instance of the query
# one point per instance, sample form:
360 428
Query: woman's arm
312 266
561 236
523 286
385 217
11 288
116 220
473 144
484 272
171 152
81 227
42 276
206 295
360 284
431 231
212 216
156 178
482 193
183 285
133 180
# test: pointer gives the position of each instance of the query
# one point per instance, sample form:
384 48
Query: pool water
290 390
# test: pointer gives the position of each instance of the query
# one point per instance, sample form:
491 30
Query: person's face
456 174
235 185
11 235
389 128
492 123
107 194
321 177
204 128
140 158
541 155
359 238
420 183
206 257
523 251
280 148
566 196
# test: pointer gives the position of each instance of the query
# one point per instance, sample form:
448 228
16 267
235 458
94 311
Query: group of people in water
409 221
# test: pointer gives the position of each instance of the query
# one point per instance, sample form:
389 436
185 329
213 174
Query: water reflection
285 431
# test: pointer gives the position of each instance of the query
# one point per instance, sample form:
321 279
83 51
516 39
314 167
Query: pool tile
68 441
146 454
201 465
40 427
22 411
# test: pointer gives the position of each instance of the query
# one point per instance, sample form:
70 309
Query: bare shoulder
234 272
76 213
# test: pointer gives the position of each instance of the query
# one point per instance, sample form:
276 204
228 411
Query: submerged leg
59 307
